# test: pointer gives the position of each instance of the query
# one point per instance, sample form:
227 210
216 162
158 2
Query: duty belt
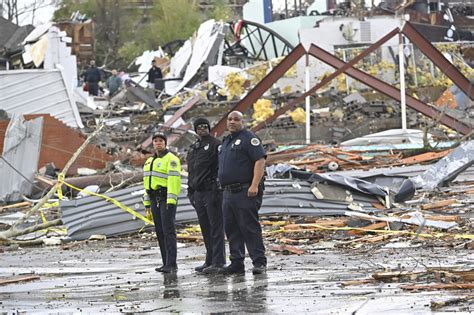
237 187
206 184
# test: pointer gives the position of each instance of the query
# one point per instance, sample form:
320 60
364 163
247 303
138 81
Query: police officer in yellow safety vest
162 182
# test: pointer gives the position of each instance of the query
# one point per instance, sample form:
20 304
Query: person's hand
148 214
253 190
170 207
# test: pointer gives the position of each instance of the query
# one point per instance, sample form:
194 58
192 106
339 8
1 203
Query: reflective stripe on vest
173 173
153 173
172 196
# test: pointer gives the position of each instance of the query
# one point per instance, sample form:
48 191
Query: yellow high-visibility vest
165 172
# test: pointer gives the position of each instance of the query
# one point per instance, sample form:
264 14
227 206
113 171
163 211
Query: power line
29 181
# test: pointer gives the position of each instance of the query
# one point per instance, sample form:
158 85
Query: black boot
214 269
233 269
202 267
259 269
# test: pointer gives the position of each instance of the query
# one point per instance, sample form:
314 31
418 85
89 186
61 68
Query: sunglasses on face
202 126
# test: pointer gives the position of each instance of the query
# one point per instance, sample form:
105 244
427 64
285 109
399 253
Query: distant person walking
114 83
92 78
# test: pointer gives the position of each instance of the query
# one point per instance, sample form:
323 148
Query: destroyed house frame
348 68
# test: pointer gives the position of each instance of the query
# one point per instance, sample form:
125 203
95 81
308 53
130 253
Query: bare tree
9 9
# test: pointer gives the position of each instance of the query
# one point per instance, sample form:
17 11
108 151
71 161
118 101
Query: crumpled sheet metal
446 169
353 183
93 215
21 150
415 218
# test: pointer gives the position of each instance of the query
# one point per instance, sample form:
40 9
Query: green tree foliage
221 12
67 7
168 20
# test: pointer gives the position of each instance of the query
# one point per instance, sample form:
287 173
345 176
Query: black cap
160 135
201 121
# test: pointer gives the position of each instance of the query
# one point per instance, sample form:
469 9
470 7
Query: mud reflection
170 283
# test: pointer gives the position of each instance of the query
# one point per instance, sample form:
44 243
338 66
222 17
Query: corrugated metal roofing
405 171
38 92
92 215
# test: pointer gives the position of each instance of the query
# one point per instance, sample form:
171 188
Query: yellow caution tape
61 196
60 183
433 235
57 230
51 205
115 202
43 218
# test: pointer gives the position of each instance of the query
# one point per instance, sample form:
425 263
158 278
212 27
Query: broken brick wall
59 143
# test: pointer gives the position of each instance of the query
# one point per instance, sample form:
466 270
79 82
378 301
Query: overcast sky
42 15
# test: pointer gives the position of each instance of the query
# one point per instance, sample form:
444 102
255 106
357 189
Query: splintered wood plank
375 226
425 157
445 218
16 205
18 279
285 249
440 286
325 223
438 204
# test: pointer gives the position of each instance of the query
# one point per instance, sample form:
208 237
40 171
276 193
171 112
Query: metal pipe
291 104
387 89
415 72
401 67
261 87
439 60
308 104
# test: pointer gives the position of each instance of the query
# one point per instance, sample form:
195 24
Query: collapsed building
350 85
360 155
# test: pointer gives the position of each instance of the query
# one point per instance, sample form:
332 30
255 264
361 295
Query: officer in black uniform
241 168
153 74
204 194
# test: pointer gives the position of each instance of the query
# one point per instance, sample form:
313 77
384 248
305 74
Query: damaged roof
12 35
38 92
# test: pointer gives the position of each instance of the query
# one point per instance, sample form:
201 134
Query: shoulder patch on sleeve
255 141
173 164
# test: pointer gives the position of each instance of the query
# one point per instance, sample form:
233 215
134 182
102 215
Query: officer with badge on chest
241 168
162 182
204 194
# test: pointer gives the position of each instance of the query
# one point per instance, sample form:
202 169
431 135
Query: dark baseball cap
201 121
160 135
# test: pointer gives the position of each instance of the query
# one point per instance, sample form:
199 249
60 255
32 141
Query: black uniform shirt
154 73
202 162
92 75
237 157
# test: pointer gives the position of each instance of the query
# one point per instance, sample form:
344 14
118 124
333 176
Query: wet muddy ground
118 276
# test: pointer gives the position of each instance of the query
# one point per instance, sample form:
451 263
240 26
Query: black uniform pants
242 227
208 205
164 218
93 88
